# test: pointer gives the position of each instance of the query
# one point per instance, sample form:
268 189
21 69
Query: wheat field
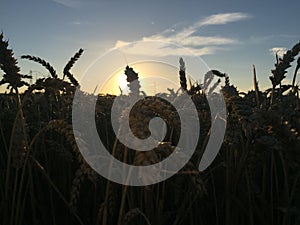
44 179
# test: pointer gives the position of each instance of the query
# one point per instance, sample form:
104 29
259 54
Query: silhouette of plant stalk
69 65
14 79
52 71
256 86
133 81
281 66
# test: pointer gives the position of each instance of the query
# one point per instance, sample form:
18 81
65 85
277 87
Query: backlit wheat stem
43 63
69 65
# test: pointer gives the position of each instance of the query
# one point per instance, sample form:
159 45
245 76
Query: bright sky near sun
228 35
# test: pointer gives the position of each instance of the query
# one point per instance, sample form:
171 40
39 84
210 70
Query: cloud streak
224 18
69 3
185 37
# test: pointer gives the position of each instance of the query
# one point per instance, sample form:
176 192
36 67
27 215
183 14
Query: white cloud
224 18
120 44
69 3
200 40
161 49
185 37
279 50
78 23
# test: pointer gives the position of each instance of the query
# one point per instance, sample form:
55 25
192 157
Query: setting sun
154 77
122 81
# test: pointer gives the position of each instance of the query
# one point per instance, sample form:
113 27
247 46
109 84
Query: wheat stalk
43 63
133 80
131 214
69 65
182 75
295 73
256 86
278 74
9 66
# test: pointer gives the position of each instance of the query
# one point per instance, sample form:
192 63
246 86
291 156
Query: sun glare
122 81
154 77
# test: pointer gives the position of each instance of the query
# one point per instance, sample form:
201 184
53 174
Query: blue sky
229 35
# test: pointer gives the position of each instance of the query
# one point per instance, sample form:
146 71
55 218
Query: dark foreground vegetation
254 180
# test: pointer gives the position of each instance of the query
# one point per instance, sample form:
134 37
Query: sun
122 81
115 84
154 77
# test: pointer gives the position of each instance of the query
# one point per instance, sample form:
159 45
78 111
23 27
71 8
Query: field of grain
45 180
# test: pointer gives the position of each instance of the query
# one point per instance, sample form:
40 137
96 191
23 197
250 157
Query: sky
228 35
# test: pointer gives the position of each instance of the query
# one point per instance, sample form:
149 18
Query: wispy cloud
185 37
224 18
69 3
280 51
78 22
161 48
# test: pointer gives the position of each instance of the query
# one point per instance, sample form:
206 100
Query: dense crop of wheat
45 180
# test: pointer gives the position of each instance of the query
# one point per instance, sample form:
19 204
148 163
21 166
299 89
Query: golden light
154 77
115 83
122 81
